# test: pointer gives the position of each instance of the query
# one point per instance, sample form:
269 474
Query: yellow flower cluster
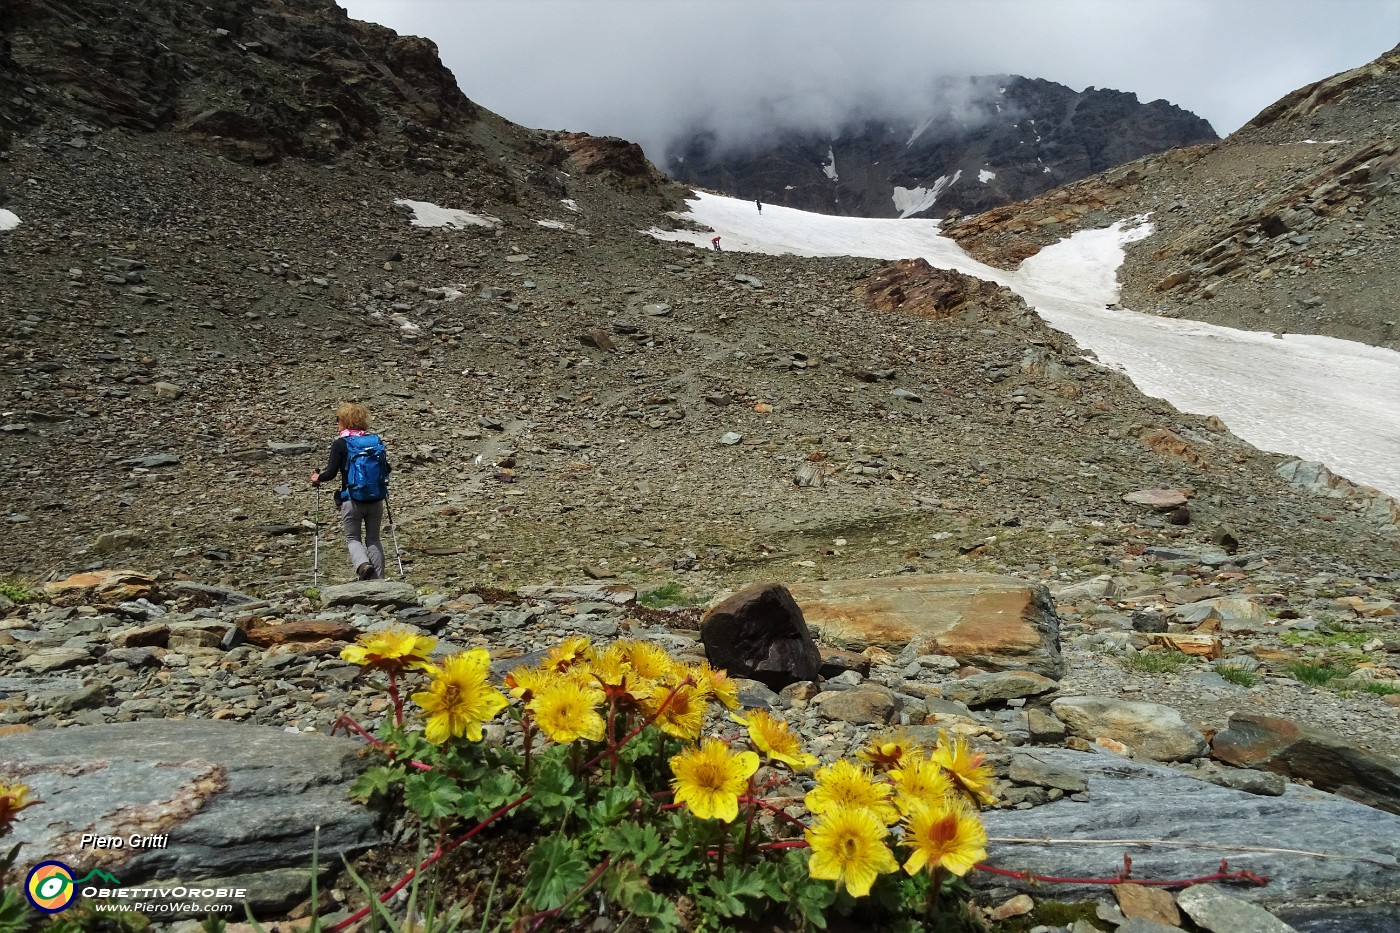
930 793
569 689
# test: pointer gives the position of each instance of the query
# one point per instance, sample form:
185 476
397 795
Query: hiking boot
365 571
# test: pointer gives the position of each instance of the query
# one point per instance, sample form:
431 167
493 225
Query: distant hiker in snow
363 466
715 243
759 205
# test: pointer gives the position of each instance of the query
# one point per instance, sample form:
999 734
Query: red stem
394 695
438 853
637 731
1224 874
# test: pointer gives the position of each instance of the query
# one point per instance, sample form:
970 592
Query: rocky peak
1290 225
1006 139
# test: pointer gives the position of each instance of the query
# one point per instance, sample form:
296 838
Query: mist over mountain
969 144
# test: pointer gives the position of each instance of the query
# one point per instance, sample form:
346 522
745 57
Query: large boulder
223 800
1297 751
759 633
989 621
1149 730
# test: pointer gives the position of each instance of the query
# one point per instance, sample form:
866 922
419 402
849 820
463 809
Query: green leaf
613 806
638 843
432 795
556 791
626 886
727 894
555 871
374 782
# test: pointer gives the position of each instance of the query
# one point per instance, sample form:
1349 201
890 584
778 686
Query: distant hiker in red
715 243
759 204
358 457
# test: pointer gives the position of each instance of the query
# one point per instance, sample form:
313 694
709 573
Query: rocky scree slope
1292 224
1008 139
182 325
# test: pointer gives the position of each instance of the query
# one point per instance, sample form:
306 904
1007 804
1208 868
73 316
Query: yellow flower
715 685
617 678
459 698
524 683
651 662
771 735
683 716
567 712
848 847
946 835
965 768
887 751
392 649
845 784
12 800
567 653
920 781
709 779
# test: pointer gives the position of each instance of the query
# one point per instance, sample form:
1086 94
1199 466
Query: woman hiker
360 518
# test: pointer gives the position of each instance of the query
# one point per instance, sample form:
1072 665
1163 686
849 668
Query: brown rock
265 634
105 586
991 622
1302 752
836 661
1155 904
1018 906
1174 445
760 633
869 705
156 635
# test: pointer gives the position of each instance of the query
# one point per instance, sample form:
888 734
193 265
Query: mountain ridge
997 139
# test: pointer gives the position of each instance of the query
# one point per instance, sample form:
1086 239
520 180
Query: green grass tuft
668 594
1378 688
1314 675
1352 638
1157 662
1236 675
17 591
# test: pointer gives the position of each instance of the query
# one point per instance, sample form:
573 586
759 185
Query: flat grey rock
233 799
1218 912
370 593
1132 800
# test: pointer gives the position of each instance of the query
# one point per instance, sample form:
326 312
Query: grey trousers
358 517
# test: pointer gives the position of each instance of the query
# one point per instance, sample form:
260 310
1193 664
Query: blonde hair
353 417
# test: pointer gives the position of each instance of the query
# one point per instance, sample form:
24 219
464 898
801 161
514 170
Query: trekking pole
316 540
394 533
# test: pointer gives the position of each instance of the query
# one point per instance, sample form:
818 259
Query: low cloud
648 70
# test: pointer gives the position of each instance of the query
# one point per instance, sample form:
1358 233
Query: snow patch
427 214
8 219
829 169
1252 380
911 201
571 205
918 131
555 224
985 176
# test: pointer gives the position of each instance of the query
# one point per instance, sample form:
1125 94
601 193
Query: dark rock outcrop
1009 138
759 633
1309 754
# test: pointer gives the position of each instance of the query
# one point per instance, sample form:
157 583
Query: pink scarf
349 432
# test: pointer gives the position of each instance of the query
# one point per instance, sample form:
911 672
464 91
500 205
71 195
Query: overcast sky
647 69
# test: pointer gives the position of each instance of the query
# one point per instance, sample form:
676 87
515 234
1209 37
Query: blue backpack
366 468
